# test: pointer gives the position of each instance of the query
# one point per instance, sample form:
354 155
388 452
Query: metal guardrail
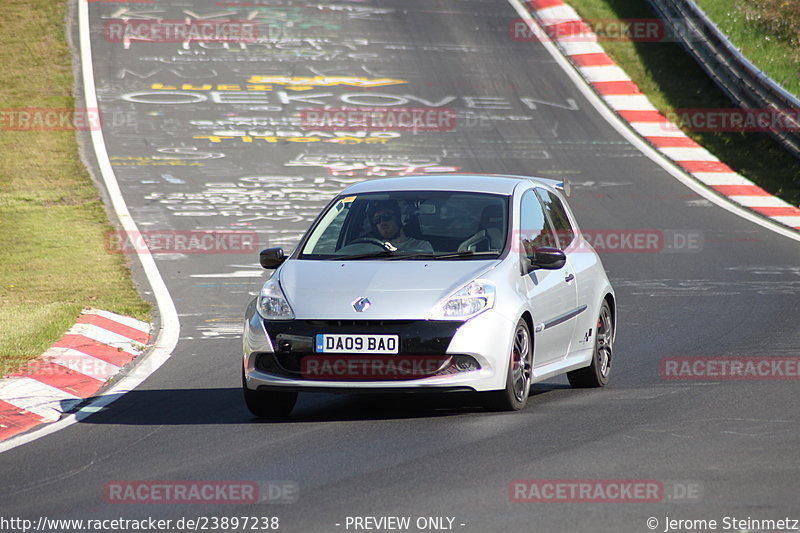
743 82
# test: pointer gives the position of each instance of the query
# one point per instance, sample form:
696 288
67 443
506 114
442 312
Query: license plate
376 344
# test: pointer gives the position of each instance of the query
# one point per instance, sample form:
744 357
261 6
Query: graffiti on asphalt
268 199
371 165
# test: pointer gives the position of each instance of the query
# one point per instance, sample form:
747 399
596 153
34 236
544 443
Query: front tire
267 403
597 373
520 369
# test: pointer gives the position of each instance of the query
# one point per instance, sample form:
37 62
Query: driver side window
535 229
557 213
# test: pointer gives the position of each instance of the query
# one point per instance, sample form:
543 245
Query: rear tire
518 379
597 373
267 403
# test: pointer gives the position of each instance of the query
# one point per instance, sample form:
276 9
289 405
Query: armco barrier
746 85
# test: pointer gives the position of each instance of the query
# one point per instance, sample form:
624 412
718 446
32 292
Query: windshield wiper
449 255
394 255
370 255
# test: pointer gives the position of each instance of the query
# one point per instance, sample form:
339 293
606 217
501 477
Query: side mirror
546 259
272 257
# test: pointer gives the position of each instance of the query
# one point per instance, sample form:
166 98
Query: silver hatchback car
478 283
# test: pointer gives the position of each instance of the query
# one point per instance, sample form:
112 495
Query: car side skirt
576 360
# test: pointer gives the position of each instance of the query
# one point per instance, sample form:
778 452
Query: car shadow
226 406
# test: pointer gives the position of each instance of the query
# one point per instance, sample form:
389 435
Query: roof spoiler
561 185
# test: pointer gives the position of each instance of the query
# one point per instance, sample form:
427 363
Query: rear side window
558 215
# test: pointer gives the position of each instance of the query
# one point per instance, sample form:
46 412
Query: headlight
475 297
272 303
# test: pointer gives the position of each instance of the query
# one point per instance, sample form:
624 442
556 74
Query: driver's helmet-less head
381 206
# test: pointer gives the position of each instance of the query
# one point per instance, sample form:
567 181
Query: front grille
291 365
422 337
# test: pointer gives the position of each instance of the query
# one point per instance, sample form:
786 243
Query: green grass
53 262
766 31
673 80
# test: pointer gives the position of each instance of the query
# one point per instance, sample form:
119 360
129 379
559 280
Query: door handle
569 277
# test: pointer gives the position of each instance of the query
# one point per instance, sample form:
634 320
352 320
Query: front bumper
452 355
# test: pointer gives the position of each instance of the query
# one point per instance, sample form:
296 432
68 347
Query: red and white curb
622 95
78 365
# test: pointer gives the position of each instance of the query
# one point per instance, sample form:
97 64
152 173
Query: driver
385 217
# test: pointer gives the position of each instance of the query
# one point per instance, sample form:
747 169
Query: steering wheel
371 240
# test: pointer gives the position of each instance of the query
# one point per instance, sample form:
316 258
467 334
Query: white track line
623 129
170 325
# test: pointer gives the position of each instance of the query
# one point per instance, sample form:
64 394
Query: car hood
397 290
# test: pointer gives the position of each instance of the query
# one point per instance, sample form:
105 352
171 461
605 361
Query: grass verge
673 80
766 31
52 223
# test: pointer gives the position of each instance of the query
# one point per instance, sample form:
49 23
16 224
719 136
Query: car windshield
411 225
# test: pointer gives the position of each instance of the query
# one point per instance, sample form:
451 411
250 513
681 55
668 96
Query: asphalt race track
204 136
